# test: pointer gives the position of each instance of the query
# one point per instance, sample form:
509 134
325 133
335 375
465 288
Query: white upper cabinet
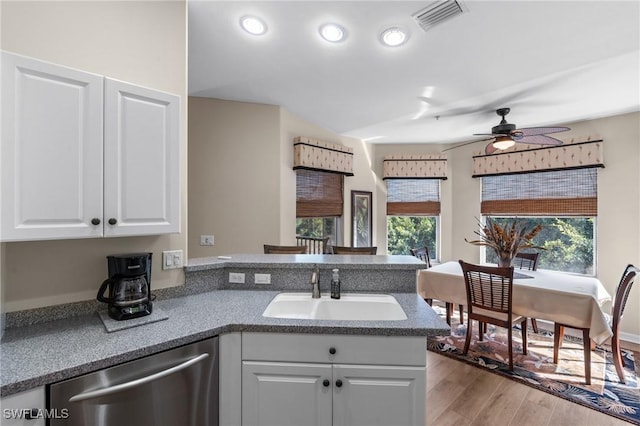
51 150
85 156
142 152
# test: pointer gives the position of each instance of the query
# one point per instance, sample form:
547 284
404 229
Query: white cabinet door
286 394
370 395
142 150
51 162
26 409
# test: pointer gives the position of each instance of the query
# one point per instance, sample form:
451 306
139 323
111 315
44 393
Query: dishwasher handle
137 382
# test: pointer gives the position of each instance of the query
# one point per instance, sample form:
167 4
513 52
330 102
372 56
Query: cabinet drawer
373 350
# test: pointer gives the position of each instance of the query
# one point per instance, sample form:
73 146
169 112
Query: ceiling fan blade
531 131
539 140
493 135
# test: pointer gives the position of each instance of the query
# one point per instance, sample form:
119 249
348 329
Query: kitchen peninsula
208 305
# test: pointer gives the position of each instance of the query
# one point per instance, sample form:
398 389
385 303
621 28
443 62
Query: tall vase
504 259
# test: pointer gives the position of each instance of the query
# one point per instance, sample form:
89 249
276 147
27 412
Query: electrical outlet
172 259
262 278
236 277
206 240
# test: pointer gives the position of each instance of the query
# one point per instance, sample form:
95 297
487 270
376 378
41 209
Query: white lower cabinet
353 380
26 408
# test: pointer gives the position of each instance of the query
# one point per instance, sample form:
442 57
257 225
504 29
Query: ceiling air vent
437 12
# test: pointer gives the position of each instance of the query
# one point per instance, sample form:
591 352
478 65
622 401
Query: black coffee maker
129 285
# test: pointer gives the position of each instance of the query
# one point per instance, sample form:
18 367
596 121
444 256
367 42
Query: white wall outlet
236 277
172 259
262 278
206 240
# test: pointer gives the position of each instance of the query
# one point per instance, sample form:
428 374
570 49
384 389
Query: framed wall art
361 219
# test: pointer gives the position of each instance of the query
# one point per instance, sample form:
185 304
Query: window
564 202
319 204
413 209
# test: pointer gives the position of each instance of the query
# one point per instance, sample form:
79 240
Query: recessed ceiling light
332 32
394 36
253 25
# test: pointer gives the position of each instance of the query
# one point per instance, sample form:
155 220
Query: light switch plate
172 259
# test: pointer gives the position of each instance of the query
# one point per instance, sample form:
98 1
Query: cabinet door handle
332 351
113 221
326 383
137 382
339 383
95 221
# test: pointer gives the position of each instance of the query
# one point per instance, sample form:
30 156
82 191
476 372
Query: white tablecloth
556 296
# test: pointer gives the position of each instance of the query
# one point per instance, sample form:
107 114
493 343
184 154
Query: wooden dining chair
422 253
270 249
617 310
490 300
529 262
354 250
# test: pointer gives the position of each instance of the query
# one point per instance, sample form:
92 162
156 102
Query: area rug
566 379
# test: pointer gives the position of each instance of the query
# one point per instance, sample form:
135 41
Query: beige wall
234 176
242 187
139 42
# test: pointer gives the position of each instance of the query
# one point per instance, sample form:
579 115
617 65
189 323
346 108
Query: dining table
567 298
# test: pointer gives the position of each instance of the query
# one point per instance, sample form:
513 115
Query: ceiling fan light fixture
394 36
503 142
333 33
253 25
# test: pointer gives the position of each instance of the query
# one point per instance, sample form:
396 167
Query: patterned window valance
314 154
561 157
426 166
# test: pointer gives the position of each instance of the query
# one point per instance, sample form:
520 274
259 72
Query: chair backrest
354 250
526 261
488 287
269 249
314 245
622 294
422 253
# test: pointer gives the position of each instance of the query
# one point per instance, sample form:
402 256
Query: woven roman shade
319 194
571 192
413 197
561 157
550 181
314 154
426 166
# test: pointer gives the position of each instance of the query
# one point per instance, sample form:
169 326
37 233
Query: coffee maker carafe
129 286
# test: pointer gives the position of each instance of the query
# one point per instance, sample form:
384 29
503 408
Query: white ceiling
551 62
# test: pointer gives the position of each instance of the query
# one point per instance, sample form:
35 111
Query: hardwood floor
461 394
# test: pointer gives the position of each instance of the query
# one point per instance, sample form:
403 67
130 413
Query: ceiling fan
505 135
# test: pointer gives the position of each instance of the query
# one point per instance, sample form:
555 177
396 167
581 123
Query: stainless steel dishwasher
176 387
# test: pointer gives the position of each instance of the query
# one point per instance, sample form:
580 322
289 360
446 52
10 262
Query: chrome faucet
315 282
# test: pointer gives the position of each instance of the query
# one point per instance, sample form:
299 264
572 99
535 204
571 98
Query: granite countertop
44 353
304 261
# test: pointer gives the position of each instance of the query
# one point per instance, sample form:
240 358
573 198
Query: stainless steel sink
350 307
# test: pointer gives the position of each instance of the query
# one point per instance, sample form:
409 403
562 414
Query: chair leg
524 336
587 355
617 357
534 325
461 309
447 307
467 340
510 342
480 330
